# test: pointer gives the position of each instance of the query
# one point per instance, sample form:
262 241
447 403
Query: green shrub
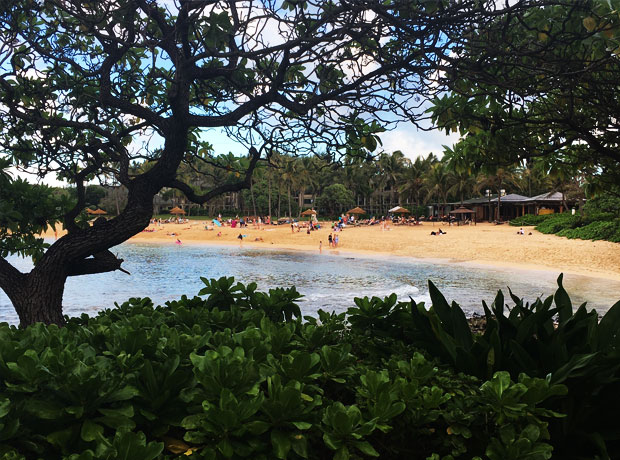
577 351
599 230
556 222
593 225
528 220
240 375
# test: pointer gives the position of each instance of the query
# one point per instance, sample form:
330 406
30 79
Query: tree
438 183
545 83
392 167
335 199
414 179
89 88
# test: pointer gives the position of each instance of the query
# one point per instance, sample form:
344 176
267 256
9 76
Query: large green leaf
609 328
562 302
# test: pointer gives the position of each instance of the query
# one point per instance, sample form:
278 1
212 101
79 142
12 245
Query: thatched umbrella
308 212
96 212
176 210
357 210
462 210
400 210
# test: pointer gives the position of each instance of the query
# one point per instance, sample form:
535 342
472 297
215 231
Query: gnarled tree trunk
40 299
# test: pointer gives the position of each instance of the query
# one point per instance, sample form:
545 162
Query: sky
406 138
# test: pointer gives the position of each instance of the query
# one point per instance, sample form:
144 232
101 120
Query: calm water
327 281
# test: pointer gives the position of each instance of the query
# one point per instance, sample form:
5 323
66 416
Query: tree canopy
540 84
89 88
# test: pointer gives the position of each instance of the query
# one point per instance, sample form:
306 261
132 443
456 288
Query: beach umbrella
399 209
357 210
308 212
176 210
462 210
96 212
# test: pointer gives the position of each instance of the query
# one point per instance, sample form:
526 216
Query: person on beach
320 247
240 238
336 241
330 240
178 241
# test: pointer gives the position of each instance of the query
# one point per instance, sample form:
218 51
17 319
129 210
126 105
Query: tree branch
225 188
9 275
100 263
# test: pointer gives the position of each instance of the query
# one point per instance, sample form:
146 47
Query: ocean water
328 281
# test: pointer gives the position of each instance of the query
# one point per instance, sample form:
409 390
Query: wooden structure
461 213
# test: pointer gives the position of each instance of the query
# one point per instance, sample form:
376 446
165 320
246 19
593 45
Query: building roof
511 198
479 200
549 196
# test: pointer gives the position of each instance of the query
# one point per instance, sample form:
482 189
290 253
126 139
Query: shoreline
484 245
485 264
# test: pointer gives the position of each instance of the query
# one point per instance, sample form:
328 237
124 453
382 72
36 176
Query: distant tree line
287 185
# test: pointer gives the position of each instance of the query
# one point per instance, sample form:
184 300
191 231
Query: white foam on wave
339 300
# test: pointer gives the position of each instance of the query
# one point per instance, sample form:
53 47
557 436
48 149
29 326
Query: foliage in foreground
542 339
240 375
600 226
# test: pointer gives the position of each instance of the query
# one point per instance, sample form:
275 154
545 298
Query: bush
599 230
577 351
528 220
594 225
240 375
557 222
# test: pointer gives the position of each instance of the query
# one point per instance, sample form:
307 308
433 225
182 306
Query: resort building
513 205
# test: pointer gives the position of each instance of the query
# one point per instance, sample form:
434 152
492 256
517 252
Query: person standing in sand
320 247
330 240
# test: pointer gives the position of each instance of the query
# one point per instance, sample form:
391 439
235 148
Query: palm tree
438 183
309 172
463 184
392 167
290 178
414 179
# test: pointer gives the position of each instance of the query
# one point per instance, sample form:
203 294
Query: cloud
414 143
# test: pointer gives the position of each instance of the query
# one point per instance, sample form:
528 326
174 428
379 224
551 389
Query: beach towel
217 222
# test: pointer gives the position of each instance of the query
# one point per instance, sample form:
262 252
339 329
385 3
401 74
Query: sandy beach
484 244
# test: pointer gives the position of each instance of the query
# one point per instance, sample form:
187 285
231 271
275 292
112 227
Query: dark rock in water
477 324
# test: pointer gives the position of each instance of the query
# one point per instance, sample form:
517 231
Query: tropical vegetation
238 373
376 186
